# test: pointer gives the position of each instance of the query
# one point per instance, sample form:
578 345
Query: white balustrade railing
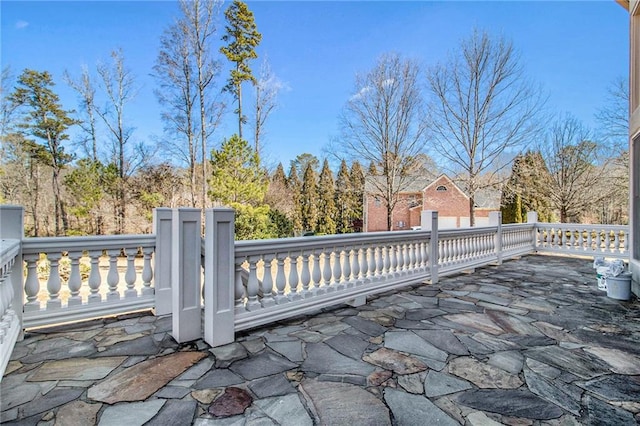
466 248
10 326
582 239
517 239
74 278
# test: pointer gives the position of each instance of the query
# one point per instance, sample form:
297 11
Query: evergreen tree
295 188
279 199
238 181
344 197
309 200
326 201
45 119
85 184
242 37
526 190
357 196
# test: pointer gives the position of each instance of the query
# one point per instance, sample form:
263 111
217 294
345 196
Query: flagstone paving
529 342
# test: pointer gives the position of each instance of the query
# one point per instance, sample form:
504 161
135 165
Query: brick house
428 193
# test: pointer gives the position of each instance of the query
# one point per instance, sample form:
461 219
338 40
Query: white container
601 276
619 287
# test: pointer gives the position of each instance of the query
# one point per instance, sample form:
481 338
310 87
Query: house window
400 224
413 201
441 188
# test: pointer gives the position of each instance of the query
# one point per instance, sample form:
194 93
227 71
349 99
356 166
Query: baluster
239 292
406 258
364 264
147 272
267 282
294 278
327 271
94 277
305 275
130 275
252 284
355 264
616 242
580 240
384 260
346 267
281 281
32 284
337 267
53 283
607 241
75 280
625 242
393 262
371 270
316 275
113 277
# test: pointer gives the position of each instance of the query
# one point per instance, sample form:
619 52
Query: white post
185 274
532 217
429 222
495 219
162 260
219 273
12 227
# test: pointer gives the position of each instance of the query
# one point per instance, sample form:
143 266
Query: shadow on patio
529 342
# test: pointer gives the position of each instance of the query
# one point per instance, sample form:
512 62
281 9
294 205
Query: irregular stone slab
231 403
206 396
491 298
545 370
172 392
510 361
142 346
410 342
131 414
513 403
77 413
137 383
175 412
198 370
444 340
411 409
275 385
366 326
423 314
52 399
253 345
602 414
226 354
534 304
621 362
555 332
347 345
262 365
286 410
324 360
344 404
478 418
512 325
395 361
291 350
378 377
331 328
114 336
13 396
412 383
476 321
76 369
457 305
473 346
438 384
483 375
615 387
218 378
58 348
576 362
546 389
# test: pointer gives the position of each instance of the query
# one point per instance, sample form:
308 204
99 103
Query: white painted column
429 222
162 260
495 219
219 273
12 227
185 274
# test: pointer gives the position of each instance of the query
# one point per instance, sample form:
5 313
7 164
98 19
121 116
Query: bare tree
483 109
267 89
571 156
86 90
119 86
613 117
380 126
199 19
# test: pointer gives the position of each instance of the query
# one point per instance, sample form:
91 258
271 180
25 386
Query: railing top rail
582 226
95 242
9 248
466 231
250 247
508 226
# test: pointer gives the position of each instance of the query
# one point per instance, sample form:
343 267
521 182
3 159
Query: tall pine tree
326 201
344 196
242 37
295 188
357 196
309 200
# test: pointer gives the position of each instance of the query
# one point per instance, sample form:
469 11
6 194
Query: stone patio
530 342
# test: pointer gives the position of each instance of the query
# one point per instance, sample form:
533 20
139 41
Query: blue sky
574 50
